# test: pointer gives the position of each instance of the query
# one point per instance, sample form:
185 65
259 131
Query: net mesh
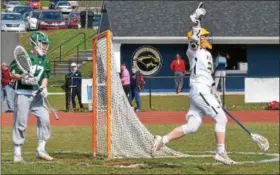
22 59
130 138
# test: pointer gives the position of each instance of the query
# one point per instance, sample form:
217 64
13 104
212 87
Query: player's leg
194 118
43 127
181 81
176 81
10 97
210 106
217 78
74 93
137 100
79 93
21 113
223 84
132 96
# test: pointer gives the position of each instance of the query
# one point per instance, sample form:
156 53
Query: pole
223 81
150 94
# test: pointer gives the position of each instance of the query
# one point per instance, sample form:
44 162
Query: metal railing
149 81
54 64
152 79
62 44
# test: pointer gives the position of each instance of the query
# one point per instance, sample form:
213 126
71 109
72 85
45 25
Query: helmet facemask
205 42
40 46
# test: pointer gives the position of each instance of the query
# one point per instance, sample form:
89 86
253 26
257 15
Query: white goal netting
130 138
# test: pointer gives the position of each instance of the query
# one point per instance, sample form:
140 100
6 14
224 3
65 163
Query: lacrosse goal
117 132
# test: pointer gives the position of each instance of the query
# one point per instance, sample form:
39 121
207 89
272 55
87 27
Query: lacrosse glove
29 79
196 16
43 91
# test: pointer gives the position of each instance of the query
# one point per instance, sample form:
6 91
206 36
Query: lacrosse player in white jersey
203 96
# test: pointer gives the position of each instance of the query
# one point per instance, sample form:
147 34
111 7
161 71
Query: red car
51 19
74 20
35 4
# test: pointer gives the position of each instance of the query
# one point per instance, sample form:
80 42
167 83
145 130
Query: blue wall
263 60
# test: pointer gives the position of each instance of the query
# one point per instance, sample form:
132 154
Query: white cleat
223 158
18 159
158 143
43 155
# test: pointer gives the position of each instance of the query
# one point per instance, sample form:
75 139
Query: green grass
169 103
77 141
57 37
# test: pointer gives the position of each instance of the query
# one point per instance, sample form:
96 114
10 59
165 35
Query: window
11 17
236 52
52 15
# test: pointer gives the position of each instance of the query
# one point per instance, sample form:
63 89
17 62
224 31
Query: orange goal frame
108 35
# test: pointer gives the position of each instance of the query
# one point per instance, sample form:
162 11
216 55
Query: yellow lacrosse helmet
203 41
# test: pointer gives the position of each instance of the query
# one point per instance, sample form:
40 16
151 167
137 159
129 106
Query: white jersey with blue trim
201 67
221 63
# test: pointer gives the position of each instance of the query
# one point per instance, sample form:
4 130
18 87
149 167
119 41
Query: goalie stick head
22 59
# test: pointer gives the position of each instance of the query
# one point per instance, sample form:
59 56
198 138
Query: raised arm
194 35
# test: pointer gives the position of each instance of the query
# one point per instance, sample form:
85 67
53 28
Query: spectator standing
6 82
220 71
75 77
178 67
135 88
125 79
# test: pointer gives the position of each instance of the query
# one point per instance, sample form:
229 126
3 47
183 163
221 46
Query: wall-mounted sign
147 60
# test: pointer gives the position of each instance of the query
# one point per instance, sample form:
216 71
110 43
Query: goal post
95 63
117 131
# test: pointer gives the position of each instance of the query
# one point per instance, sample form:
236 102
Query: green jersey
41 67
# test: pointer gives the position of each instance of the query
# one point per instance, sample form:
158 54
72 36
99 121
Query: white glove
29 79
216 94
196 16
44 92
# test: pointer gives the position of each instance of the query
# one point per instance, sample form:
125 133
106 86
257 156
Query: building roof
171 18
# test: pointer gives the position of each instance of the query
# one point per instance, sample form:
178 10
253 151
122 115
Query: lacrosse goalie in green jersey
26 100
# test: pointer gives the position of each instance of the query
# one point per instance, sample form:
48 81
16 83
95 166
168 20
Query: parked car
35 4
52 4
74 20
22 9
31 20
51 19
10 5
12 22
64 6
74 4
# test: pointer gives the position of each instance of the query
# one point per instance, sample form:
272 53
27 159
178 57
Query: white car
31 20
11 4
64 7
12 22
74 4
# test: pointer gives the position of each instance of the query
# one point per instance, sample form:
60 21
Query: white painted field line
200 154
159 93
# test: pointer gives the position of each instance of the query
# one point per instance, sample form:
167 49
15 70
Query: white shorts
204 104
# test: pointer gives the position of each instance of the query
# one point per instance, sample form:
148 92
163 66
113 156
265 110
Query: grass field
57 37
71 146
170 103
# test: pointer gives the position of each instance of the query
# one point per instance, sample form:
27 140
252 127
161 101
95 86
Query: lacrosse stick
24 64
261 141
